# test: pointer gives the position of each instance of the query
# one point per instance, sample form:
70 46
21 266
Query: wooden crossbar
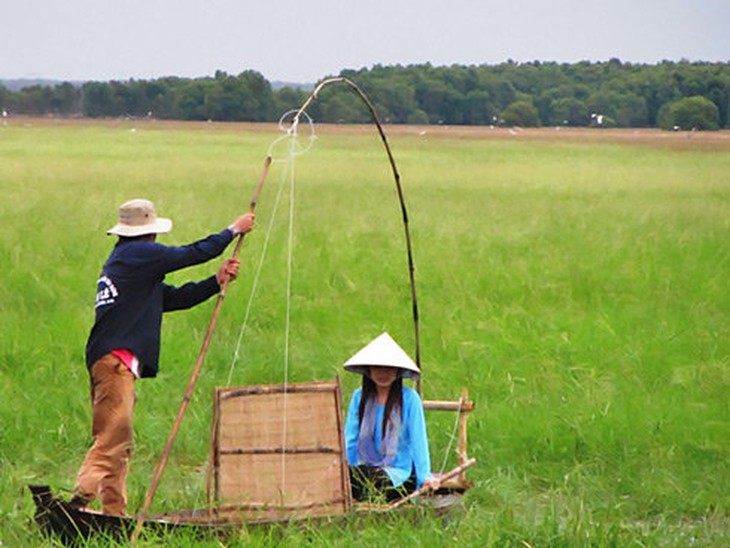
277 450
288 389
463 406
442 405
285 507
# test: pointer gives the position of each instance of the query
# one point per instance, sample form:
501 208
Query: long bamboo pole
448 475
196 372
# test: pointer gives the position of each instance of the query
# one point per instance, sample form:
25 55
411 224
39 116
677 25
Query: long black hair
394 401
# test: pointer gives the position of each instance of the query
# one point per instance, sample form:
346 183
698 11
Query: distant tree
339 105
478 109
7 99
460 78
35 99
255 96
438 99
157 97
570 111
100 99
657 87
620 93
64 98
287 98
718 91
417 117
520 113
690 113
626 108
631 111
397 99
246 97
193 100
545 101
504 94
500 92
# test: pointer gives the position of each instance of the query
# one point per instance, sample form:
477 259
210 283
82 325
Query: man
124 343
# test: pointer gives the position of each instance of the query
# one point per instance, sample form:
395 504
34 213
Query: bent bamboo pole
401 200
196 372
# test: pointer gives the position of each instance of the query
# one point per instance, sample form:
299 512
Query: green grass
579 290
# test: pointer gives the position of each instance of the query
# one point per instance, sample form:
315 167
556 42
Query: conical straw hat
383 351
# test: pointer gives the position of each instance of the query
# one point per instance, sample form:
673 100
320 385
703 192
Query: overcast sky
305 40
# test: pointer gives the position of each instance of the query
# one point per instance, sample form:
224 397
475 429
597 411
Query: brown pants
103 473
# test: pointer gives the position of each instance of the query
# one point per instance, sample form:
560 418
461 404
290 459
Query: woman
385 431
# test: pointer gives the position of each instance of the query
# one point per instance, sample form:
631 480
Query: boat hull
56 517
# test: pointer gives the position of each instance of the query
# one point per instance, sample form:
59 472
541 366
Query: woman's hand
432 483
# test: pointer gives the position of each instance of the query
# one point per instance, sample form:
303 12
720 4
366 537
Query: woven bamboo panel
280 453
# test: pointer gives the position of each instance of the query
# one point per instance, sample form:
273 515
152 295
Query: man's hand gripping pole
196 371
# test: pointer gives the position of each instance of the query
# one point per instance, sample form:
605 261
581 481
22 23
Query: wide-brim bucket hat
138 218
382 351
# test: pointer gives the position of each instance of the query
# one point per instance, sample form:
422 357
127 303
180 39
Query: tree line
670 95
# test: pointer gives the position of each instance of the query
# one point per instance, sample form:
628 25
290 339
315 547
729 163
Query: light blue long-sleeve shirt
412 440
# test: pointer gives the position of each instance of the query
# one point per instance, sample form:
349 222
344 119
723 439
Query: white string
294 148
290 141
254 286
453 436
290 253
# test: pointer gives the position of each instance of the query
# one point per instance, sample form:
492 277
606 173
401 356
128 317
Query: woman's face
383 377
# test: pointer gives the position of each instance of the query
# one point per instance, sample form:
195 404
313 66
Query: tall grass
579 290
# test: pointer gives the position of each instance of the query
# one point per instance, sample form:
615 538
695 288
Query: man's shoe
78 502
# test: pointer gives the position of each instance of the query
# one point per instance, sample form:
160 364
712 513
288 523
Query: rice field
575 281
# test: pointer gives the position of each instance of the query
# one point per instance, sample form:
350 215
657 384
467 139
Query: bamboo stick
463 405
448 475
212 457
344 468
462 435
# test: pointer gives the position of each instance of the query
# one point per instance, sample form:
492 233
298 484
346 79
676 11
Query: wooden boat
66 523
322 481
319 490
55 516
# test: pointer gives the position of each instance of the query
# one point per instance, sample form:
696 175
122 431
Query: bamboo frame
345 475
463 406
222 451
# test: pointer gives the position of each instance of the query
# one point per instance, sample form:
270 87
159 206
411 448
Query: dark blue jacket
131 295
